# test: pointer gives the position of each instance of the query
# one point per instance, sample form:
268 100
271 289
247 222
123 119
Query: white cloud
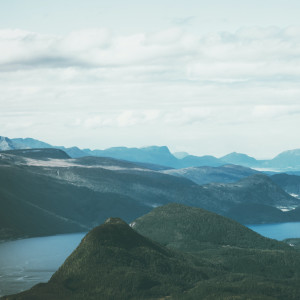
86 40
249 54
169 87
276 111
188 116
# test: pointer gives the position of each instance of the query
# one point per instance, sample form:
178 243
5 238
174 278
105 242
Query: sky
206 77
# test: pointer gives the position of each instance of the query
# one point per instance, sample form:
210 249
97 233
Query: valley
76 194
187 220
188 265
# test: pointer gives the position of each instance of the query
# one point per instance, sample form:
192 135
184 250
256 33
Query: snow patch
60 163
286 208
132 224
154 205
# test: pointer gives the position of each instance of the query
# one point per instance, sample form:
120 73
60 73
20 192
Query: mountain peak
114 221
157 149
114 233
180 155
103 268
238 158
6 143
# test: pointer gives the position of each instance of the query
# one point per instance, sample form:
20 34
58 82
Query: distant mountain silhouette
154 155
290 158
161 155
180 155
7 144
239 159
30 143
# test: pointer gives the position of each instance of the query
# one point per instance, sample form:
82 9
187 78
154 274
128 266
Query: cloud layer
248 54
196 93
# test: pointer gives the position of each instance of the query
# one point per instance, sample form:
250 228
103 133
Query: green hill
115 262
192 229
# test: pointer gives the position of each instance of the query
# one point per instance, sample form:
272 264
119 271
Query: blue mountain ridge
160 155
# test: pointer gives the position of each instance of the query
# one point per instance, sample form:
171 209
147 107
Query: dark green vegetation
190 229
113 261
43 195
35 203
293 242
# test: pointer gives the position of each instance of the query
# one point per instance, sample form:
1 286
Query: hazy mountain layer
289 183
204 175
285 161
240 159
83 192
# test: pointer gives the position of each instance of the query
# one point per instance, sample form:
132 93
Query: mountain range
45 186
116 261
285 161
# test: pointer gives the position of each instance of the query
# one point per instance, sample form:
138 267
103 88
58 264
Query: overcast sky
206 77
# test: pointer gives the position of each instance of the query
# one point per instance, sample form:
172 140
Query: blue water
24 263
278 231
